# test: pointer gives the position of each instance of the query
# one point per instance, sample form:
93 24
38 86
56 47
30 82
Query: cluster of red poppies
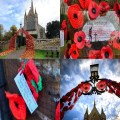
68 101
76 19
105 52
34 81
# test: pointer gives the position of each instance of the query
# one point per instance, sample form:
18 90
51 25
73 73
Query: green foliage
53 29
13 29
1 31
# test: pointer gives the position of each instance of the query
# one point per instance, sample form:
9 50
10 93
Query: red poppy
118 93
85 87
104 7
57 112
67 2
106 52
65 98
88 44
64 25
75 100
74 51
17 106
93 10
75 16
79 39
117 9
71 107
94 54
85 3
79 93
116 43
101 85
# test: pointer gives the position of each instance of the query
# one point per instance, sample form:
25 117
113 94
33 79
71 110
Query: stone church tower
94 115
31 24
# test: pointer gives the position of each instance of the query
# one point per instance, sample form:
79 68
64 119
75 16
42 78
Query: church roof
94 110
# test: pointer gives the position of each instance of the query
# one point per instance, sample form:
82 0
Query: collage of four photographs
59 60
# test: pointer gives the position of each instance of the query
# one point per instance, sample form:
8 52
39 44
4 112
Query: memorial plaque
98 30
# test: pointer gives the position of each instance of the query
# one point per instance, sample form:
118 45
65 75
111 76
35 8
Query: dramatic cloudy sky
12 11
75 71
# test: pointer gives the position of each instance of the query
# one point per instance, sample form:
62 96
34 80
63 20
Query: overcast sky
12 11
75 71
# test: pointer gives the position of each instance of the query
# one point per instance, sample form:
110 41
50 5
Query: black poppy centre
79 38
74 52
106 54
75 16
93 10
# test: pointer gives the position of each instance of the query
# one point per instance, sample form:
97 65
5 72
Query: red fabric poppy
101 85
85 3
85 87
64 25
34 92
71 107
106 52
75 100
93 10
75 16
94 54
79 39
116 43
118 93
79 93
104 7
117 9
57 113
17 106
65 98
88 44
74 51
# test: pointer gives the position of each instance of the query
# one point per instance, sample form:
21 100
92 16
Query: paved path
16 54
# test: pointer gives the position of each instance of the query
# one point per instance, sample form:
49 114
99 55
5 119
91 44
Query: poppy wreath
75 16
106 52
17 106
68 101
79 39
34 80
73 51
68 2
104 7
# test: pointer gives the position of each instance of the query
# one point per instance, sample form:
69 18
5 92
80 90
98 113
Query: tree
1 31
7 35
13 29
53 29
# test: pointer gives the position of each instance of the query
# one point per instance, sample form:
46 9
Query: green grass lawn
3 57
42 54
